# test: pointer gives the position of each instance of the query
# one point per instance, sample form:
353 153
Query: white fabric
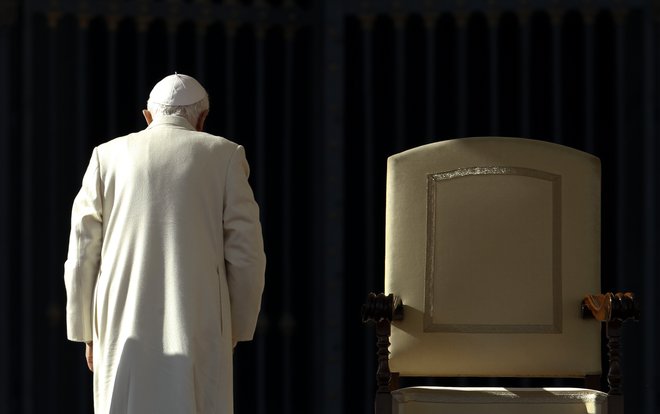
165 269
515 246
492 400
177 90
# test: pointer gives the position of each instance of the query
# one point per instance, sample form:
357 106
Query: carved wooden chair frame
609 308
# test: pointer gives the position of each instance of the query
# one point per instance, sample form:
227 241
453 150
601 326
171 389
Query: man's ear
147 116
200 120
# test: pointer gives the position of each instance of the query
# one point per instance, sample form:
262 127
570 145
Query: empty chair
492 269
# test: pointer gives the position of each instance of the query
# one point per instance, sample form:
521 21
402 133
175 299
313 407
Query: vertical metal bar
367 26
261 199
329 201
200 56
27 283
260 193
260 114
287 320
6 48
461 24
621 153
142 19
81 161
82 79
650 209
142 87
400 81
556 16
111 88
429 20
367 84
203 21
589 17
230 28
172 26
493 20
51 201
524 72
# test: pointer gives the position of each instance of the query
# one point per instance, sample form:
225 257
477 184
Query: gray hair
190 112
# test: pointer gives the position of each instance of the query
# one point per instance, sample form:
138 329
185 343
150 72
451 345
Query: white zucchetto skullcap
177 90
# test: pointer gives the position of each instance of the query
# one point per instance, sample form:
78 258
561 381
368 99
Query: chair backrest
492 243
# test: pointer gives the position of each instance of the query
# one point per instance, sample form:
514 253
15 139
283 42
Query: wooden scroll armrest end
382 310
382 307
610 306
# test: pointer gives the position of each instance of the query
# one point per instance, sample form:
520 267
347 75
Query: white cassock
165 269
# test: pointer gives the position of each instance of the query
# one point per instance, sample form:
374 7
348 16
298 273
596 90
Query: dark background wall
320 93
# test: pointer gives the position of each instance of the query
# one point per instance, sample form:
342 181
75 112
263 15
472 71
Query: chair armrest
380 307
382 310
611 306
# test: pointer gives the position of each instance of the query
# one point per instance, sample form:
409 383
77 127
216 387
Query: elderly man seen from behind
166 264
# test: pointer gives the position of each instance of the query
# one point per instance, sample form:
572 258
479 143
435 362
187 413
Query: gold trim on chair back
492 243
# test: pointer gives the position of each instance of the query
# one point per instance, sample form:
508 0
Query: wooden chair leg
614 374
613 309
614 377
383 401
383 309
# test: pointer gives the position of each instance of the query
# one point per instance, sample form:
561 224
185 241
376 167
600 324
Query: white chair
492 269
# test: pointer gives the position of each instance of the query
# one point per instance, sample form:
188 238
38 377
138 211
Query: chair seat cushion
491 400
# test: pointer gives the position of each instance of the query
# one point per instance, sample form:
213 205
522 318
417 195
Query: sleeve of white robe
82 265
245 260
